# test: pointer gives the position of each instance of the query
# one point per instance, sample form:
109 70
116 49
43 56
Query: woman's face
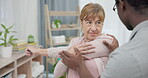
91 28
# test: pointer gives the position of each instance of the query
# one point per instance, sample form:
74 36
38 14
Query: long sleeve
53 52
61 68
101 50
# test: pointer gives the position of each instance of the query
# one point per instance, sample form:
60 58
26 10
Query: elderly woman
91 44
92 18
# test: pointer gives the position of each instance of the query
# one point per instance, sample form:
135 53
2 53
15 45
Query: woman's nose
93 27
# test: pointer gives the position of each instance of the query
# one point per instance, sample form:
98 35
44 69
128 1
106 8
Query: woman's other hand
113 45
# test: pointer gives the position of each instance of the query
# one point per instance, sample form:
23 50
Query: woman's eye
88 22
98 22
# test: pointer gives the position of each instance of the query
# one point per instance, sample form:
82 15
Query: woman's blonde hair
91 11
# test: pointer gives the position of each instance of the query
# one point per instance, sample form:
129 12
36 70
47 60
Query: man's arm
76 62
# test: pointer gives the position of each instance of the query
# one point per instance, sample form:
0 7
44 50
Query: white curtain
22 13
6 12
112 24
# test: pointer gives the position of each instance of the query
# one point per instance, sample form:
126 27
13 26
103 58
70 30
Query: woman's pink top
95 65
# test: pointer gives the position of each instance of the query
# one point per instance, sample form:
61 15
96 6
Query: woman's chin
92 38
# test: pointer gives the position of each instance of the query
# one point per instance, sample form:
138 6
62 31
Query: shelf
7 69
59 44
23 60
5 61
37 58
64 13
66 28
25 68
19 63
39 76
18 55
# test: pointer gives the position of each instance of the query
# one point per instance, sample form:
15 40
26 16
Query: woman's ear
81 28
81 24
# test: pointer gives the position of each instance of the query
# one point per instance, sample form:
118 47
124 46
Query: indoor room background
28 17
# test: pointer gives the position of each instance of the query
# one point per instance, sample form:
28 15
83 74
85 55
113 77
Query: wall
22 13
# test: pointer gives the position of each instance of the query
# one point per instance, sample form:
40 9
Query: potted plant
7 41
0 46
56 24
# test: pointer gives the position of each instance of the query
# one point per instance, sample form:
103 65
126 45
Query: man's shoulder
126 62
121 64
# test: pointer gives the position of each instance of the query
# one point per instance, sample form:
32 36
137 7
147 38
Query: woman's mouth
93 33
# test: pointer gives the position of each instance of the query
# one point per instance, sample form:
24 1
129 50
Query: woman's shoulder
104 36
77 39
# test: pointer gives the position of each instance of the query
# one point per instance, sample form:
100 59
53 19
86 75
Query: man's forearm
83 71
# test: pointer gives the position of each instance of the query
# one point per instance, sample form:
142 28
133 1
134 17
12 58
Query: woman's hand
30 51
113 45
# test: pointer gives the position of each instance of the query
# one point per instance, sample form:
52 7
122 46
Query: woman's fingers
84 45
77 51
29 51
86 48
85 57
87 52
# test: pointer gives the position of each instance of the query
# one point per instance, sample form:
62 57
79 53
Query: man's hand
76 62
113 45
70 60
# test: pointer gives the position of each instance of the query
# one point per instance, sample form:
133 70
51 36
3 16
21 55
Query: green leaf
0 33
11 37
7 30
12 43
14 39
13 31
3 26
56 22
10 27
1 44
5 35
2 39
